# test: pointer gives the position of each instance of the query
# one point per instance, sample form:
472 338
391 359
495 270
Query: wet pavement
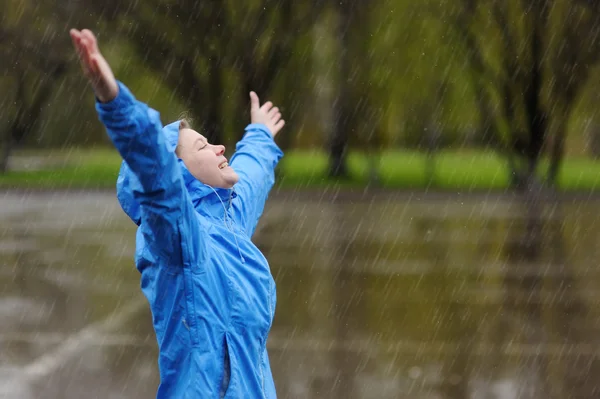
408 296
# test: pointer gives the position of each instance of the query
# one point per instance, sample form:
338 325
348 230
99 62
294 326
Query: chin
230 179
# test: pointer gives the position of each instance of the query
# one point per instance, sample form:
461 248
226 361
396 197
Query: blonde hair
185 122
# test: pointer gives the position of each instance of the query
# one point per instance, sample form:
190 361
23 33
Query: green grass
580 174
403 169
86 169
464 170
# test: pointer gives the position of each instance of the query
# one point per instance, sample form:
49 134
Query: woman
210 289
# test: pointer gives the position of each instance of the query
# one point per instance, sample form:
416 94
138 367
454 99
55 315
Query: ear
184 123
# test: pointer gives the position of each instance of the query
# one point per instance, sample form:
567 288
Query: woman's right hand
94 65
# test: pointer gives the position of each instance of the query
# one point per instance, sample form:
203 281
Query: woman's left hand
265 114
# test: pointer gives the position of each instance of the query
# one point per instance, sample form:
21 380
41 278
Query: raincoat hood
197 190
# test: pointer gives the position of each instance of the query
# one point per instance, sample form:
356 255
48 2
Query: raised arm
255 159
155 180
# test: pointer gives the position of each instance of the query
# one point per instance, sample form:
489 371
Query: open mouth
223 165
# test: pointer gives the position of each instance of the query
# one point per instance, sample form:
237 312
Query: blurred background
433 229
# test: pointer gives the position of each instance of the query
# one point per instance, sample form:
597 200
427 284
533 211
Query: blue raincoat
210 289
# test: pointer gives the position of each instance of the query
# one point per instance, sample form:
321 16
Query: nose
220 149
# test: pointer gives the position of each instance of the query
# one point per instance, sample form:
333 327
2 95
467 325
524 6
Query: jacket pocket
226 376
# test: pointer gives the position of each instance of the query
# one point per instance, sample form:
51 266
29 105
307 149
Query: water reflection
347 308
61 275
544 308
522 320
452 299
393 297
29 303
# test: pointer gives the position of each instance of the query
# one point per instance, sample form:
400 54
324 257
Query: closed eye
203 146
201 143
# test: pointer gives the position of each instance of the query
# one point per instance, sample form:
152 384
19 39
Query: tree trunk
536 115
257 80
556 156
339 140
6 150
214 123
29 113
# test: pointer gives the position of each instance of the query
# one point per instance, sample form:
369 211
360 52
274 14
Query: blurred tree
342 104
528 63
352 108
208 53
573 55
32 64
198 47
265 41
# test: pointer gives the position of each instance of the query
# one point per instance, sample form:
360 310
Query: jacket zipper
263 343
262 375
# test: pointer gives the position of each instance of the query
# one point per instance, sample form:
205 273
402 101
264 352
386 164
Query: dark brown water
390 297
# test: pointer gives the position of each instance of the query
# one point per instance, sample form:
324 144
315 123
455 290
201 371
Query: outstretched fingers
76 39
279 125
82 52
254 102
87 49
275 117
91 42
266 107
266 114
94 66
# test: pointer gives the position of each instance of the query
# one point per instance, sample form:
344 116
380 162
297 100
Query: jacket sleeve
167 214
254 161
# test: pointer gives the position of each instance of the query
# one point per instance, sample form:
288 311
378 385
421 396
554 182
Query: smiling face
205 161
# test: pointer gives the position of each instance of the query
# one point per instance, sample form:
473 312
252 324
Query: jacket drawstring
227 224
